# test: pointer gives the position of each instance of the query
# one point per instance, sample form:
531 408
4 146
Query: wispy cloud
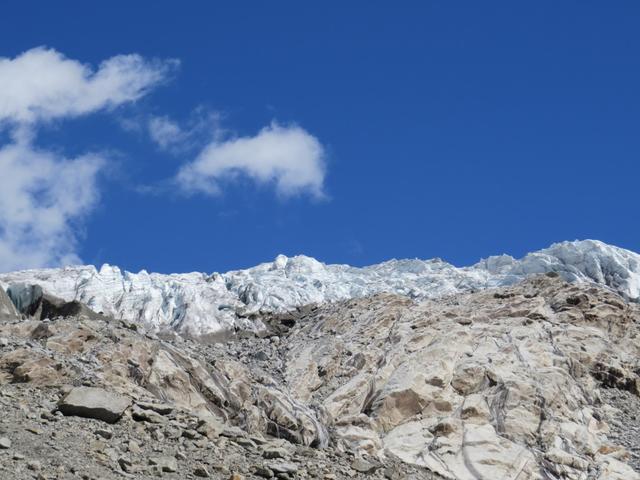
44 196
166 133
287 157
199 129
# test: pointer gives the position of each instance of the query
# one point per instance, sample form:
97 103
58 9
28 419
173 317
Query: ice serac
198 303
587 260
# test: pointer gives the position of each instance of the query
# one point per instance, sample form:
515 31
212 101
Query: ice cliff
199 303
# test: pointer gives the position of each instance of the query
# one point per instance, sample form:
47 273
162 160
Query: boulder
142 415
91 402
363 466
166 464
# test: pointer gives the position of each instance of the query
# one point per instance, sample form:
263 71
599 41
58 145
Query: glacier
196 304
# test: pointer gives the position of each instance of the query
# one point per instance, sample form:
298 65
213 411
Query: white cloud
288 157
169 135
41 196
44 196
41 84
165 132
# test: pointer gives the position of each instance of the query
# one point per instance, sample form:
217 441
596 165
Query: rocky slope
201 304
536 380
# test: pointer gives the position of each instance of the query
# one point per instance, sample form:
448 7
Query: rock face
7 309
528 381
200 304
497 384
94 403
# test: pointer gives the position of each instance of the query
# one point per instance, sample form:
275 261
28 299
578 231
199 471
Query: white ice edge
198 303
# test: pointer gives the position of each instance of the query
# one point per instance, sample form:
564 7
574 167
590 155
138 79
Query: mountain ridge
198 303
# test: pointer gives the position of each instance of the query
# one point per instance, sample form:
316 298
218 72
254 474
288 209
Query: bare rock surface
538 380
180 409
505 383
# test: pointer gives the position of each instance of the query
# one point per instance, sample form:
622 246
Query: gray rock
392 474
363 466
210 428
283 467
161 408
258 439
262 471
190 434
166 464
261 356
157 435
41 332
104 433
133 447
126 464
232 432
142 415
201 471
5 443
275 452
245 443
91 402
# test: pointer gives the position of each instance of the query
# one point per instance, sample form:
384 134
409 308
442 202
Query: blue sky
412 129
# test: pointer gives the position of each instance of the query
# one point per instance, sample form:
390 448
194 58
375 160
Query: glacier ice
199 303
24 295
